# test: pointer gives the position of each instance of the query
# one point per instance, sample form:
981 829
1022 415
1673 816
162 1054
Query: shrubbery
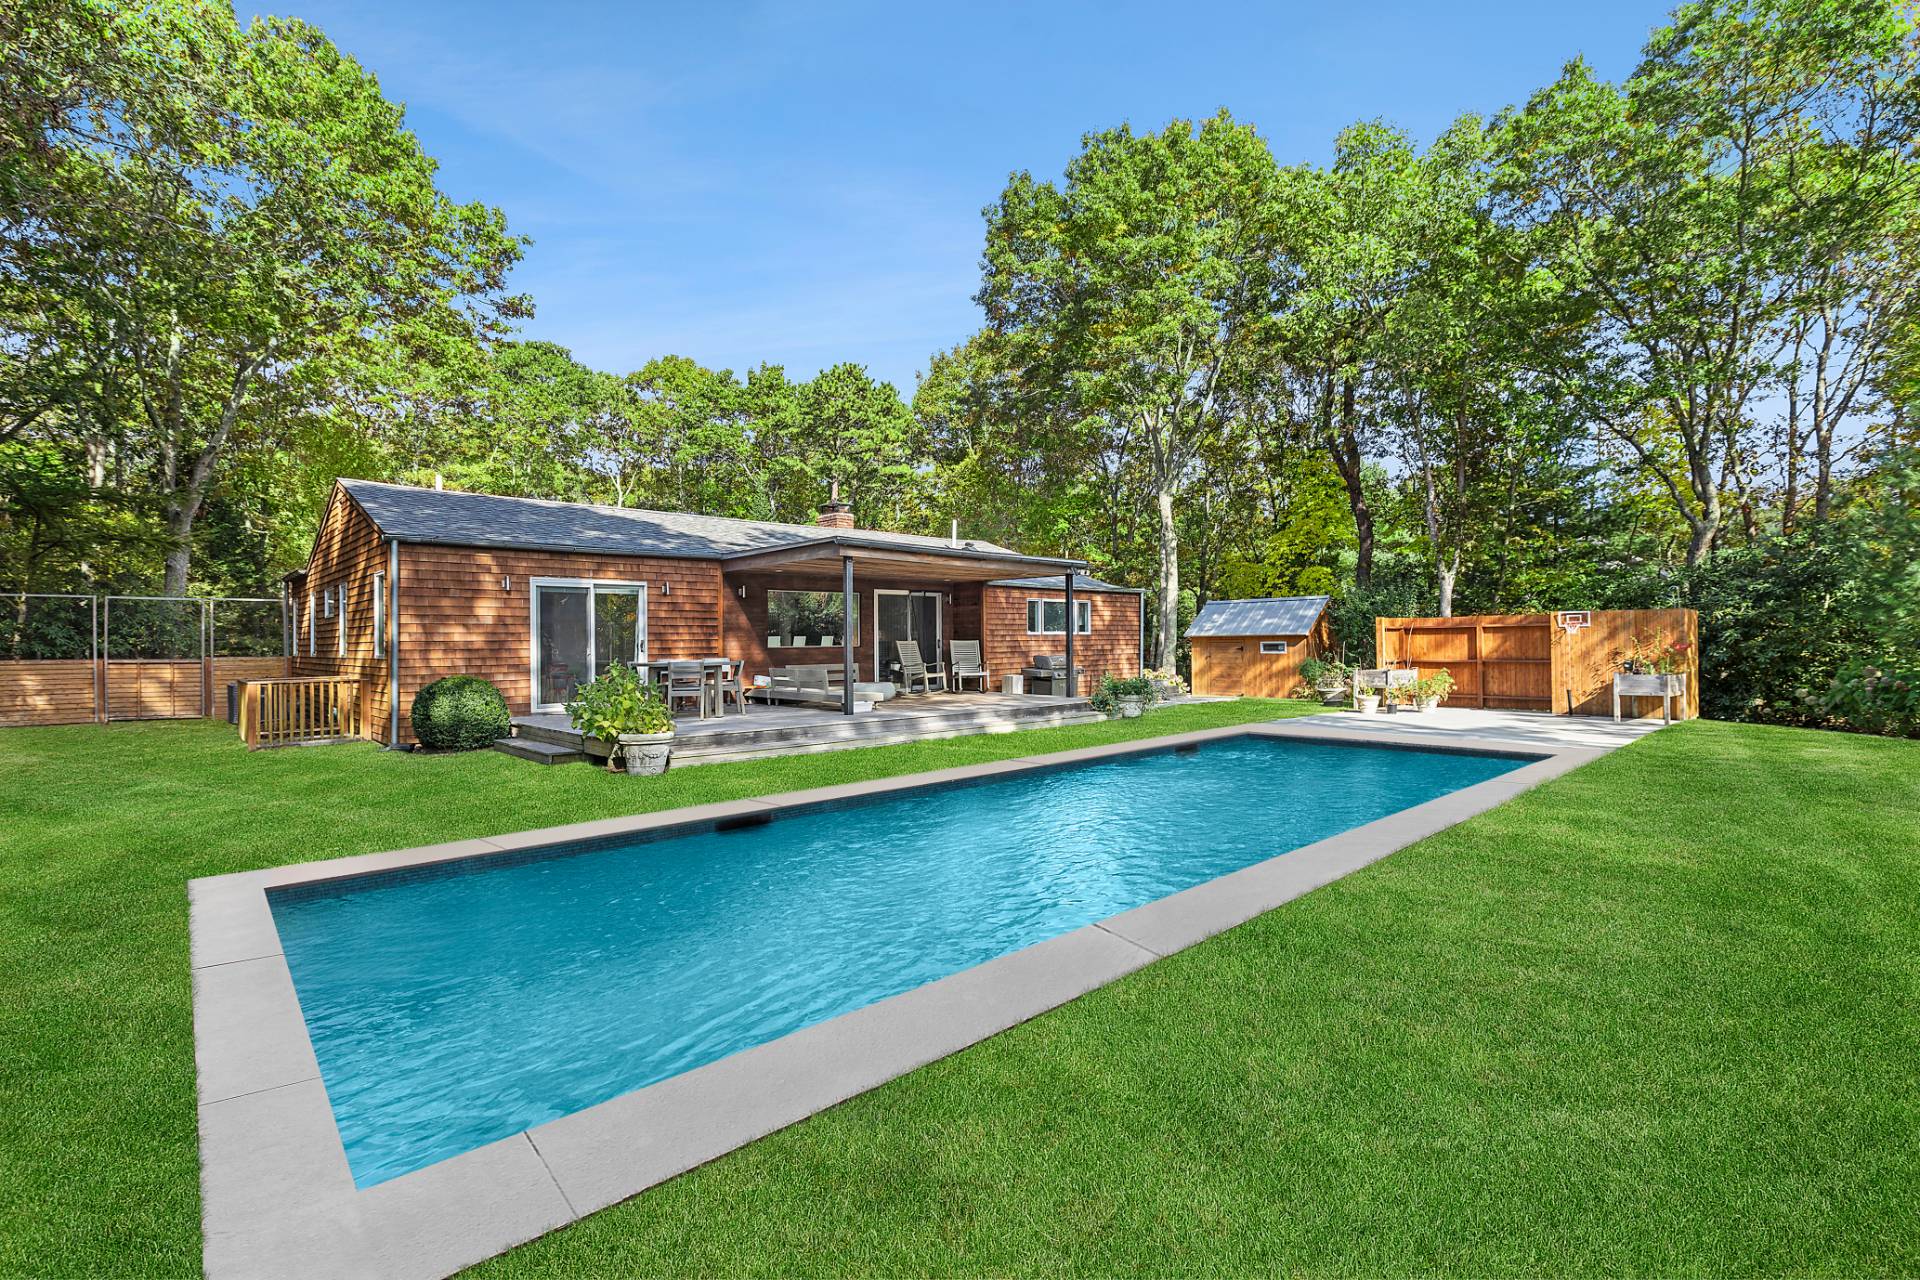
459 713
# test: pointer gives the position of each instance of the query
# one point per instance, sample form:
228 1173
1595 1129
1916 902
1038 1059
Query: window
326 604
1049 617
379 615
1273 646
340 629
797 619
309 624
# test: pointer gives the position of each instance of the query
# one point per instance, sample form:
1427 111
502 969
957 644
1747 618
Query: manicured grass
1661 1017
101 828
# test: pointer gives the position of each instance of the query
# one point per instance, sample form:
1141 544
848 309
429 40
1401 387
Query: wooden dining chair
687 679
730 681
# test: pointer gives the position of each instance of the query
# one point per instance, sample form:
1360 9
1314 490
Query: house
1254 648
407 584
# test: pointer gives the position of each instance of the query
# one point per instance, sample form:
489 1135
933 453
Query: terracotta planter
645 753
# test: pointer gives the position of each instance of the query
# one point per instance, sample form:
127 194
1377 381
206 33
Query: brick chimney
835 514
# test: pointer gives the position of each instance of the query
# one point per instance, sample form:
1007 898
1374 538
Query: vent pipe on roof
953 539
436 480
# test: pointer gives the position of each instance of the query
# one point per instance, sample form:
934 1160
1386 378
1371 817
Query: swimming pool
454 1005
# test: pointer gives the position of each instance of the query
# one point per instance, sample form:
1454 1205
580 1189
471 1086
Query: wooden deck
798 730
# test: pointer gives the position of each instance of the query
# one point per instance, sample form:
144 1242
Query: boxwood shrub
459 713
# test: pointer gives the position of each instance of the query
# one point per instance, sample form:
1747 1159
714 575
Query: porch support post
1073 685
846 632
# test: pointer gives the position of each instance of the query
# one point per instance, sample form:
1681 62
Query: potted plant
1327 677
1166 683
627 714
1123 698
1367 700
1430 691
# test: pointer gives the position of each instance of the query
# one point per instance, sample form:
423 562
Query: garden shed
1254 648
1560 662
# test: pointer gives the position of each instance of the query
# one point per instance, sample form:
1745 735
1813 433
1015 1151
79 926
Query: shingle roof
448 517
1270 616
1057 582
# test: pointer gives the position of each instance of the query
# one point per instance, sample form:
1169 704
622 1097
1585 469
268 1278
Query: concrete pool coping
277 1194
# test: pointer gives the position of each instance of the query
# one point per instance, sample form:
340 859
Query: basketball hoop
1572 620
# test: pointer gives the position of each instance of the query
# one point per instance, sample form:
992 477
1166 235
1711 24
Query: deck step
539 752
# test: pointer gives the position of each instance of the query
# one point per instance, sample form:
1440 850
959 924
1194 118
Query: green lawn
1660 1016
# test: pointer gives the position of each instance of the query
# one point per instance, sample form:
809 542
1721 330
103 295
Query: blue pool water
456 1008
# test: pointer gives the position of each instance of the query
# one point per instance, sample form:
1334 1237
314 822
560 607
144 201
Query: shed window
379 615
309 624
1049 617
340 629
326 604
1273 646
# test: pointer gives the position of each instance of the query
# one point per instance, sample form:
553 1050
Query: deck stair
777 731
541 752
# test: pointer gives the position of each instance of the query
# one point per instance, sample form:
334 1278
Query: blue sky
801 184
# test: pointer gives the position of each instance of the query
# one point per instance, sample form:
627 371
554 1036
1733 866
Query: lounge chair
914 668
967 665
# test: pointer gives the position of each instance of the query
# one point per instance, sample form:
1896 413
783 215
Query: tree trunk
179 556
1448 574
1344 445
1169 582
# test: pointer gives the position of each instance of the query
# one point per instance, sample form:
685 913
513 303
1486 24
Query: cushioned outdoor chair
913 668
967 665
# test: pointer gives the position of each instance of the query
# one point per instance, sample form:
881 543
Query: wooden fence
82 690
297 711
1529 662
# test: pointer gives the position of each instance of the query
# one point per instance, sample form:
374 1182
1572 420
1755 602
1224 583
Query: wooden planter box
1665 688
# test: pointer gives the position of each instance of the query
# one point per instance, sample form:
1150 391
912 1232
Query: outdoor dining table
710 669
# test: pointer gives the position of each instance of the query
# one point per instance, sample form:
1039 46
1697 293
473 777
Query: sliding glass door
904 615
580 629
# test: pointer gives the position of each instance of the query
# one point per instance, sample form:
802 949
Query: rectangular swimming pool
455 1005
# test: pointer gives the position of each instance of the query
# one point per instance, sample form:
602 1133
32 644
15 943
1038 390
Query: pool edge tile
248 1032
278 1200
621 1147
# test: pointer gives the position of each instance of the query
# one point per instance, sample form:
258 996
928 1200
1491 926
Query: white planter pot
1130 708
1425 704
645 753
1369 704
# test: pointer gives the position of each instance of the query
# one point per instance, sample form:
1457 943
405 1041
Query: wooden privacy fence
81 691
293 712
1530 662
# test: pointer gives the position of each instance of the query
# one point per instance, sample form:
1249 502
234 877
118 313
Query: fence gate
153 652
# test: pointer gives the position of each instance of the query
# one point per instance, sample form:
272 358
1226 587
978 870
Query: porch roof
936 565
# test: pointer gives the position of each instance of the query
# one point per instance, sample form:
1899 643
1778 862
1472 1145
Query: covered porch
844 603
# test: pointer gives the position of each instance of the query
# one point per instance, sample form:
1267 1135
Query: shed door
1228 667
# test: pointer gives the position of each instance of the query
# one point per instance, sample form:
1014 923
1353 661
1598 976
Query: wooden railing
287 712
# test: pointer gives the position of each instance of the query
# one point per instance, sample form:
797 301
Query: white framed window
379 615
340 628
1273 646
1049 617
309 624
326 603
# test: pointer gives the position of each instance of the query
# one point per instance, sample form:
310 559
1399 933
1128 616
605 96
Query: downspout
393 644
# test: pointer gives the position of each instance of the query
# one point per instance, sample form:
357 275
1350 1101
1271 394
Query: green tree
1128 294
238 235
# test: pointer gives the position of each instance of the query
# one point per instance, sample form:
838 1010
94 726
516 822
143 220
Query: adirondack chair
914 668
967 665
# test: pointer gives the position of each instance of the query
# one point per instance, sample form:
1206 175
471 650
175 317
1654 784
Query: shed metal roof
448 517
1268 616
